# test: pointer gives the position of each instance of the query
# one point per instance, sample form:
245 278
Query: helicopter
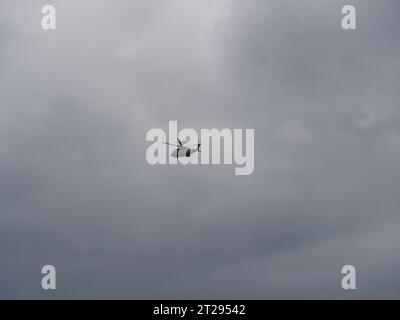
183 151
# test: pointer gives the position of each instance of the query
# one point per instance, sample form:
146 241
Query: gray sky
76 190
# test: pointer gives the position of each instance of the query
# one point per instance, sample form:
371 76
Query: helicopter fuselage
183 152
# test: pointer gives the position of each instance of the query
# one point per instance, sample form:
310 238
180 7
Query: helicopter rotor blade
194 145
171 144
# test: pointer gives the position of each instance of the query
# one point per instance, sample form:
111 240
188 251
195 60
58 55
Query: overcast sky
76 190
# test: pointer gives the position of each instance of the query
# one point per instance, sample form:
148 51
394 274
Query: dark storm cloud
77 192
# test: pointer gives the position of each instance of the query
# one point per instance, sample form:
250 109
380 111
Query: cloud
76 191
